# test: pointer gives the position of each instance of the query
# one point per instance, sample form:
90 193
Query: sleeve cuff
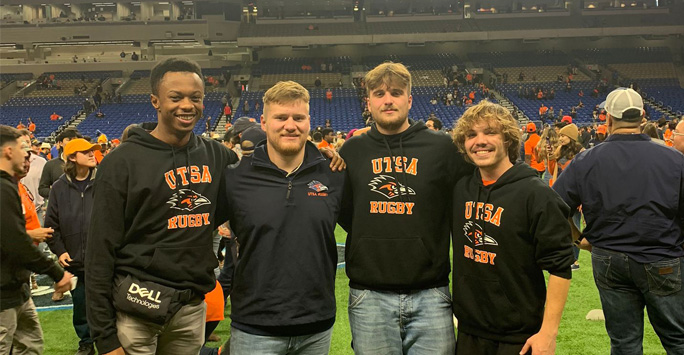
565 273
56 273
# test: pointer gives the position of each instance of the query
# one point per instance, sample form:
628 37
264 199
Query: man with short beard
283 201
397 211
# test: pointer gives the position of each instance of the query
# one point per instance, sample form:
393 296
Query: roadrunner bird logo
387 186
474 233
187 200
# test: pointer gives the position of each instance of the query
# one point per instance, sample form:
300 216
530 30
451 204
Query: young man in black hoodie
149 258
396 213
508 226
19 326
283 201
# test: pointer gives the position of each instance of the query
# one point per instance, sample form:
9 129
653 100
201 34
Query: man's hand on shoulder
336 163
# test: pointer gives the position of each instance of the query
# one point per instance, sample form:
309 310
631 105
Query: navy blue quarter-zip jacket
68 213
285 273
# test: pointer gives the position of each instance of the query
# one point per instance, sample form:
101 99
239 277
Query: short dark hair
173 64
8 135
326 131
633 115
70 133
436 122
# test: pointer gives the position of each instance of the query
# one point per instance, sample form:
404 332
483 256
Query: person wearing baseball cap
54 168
243 123
68 214
630 189
531 142
45 150
249 139
601 133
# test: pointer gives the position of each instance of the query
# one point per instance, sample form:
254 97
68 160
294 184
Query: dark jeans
626 287
79 319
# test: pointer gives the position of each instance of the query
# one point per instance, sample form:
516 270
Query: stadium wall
465 47
206 29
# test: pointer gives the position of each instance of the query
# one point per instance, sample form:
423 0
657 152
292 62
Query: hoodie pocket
389 261
483 304
73 244
183 264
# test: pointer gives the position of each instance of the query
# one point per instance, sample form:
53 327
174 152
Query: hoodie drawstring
392 170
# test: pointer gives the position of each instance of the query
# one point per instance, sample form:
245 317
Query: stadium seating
39 110
138 109
563 100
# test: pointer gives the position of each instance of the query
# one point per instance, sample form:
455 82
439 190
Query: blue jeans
242 343
626 287
79 318
414 323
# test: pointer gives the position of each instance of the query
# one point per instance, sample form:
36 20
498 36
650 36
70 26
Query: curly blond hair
494 115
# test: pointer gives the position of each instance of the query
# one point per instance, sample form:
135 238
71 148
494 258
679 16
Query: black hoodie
153 216
396 208
504 235
18 255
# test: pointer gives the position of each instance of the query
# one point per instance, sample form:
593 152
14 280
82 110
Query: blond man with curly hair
508 227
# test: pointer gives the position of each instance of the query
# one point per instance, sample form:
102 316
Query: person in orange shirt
668 135
31 126
543 110
33 228
530 144
328 138
602 116
329 95
54 117
21 125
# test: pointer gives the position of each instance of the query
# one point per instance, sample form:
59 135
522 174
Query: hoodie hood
141 135
414 127
518 171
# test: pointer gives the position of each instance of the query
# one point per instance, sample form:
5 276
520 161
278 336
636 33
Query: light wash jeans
414 323
242 343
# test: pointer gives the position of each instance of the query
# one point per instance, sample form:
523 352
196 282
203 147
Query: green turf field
576 335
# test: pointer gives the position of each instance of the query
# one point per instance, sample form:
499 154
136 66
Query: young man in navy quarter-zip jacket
282 202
